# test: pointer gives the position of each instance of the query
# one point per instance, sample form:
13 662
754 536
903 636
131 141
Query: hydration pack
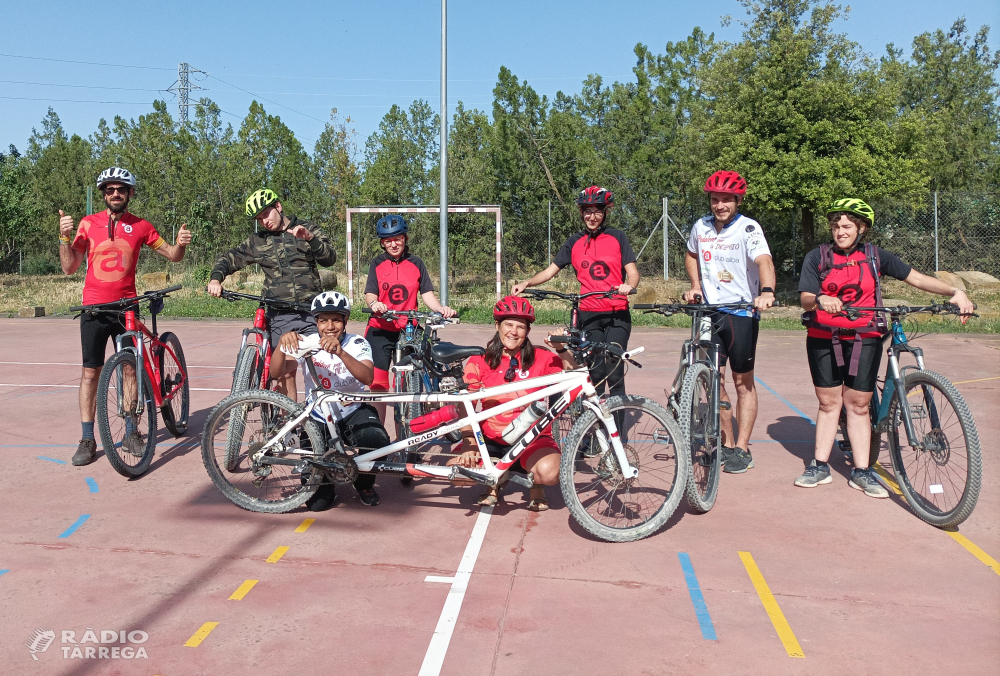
876 322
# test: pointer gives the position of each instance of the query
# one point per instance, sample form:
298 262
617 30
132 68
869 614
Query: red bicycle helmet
728 182
513 307
595 196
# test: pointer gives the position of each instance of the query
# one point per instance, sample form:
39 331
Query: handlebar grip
633 292
777 303
645 306
560 339
78 308
170 289
366 310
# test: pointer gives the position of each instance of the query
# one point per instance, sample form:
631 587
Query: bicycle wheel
248 420
701 430
174 387
599 498
128 436
562 425
249 367
941 474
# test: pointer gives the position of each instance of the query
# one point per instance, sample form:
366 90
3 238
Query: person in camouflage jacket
289 252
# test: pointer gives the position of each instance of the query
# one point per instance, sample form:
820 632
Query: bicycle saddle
307 345
447 353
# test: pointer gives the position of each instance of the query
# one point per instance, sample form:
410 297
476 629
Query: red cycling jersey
111 261
599 261
397 283
478 375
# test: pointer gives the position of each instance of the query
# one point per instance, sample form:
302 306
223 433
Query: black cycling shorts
826 373
281 323
737 340
95 330
383 346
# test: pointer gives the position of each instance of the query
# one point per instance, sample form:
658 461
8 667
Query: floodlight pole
444 152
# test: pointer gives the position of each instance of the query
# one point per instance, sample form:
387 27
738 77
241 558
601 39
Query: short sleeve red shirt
478 375
111 262
398 284
599 262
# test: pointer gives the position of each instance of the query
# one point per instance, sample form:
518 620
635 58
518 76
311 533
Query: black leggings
608 327
363 429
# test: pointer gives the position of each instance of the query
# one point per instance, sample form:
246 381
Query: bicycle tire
110 427
603 466
248 370
175 411
909 474
294 492
697 428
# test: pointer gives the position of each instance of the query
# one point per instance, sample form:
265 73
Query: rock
645 294
31 312
156 280
328 280
951 279
978 281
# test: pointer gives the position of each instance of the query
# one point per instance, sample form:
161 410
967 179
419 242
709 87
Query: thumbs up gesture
184 236
66 225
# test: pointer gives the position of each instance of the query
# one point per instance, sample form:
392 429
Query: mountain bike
695 399
933 442
253 360
626 491
562 426
126 401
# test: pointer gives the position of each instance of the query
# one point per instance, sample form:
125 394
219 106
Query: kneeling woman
844 354
511 357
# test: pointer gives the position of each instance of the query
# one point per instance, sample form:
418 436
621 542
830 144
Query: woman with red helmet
603 260
510 356
728 261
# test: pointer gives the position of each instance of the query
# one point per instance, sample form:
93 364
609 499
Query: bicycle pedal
527 481
725 406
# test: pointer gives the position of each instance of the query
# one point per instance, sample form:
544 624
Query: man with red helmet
603 260
728 261
511 357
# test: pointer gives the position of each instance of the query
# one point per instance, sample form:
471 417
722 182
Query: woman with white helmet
344 363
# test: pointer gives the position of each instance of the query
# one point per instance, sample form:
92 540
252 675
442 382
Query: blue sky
360 57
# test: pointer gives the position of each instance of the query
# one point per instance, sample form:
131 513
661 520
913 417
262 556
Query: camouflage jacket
289 264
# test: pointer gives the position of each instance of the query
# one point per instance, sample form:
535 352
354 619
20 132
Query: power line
56 84
85 63
268 100
27 98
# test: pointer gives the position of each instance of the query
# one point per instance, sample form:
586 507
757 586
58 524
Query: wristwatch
766 289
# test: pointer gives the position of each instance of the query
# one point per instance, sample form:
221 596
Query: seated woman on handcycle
510 356
345 364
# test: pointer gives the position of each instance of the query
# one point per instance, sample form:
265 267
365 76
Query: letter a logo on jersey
707 255
112 260
398 294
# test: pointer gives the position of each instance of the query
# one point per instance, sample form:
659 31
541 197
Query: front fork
613 440
138 348
897 385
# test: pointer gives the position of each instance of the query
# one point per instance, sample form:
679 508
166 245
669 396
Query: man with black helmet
111 240
289 251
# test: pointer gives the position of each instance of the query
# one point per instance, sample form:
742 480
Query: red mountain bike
126 404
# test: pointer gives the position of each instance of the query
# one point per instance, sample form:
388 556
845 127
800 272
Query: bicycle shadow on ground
177 446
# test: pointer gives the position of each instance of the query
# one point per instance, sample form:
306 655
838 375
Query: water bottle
705 329
528 416
443 415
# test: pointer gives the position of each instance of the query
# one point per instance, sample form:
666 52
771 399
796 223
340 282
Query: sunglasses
122 190
512 370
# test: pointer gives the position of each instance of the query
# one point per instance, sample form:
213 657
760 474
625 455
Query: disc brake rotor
610 471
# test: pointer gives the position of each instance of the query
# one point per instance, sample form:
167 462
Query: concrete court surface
862 585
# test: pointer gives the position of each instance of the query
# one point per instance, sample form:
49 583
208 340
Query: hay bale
978 281
951 279
156 280
328 280
37 311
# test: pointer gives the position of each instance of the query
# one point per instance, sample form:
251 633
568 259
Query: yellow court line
304 526
276 555
974 550
243 590
781 625
977 380
201 634
889 481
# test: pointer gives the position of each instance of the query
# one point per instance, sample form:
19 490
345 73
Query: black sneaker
322 499
739 462
134 444
727 454
85 452
369 497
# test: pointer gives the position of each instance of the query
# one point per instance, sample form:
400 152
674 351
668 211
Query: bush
39 264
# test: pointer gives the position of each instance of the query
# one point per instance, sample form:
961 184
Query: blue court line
700 609
4 570
784 401
92 484
72 529
45 457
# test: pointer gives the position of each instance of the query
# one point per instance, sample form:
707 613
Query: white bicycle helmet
331 301
115 175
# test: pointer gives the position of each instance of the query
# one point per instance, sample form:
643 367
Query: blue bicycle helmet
391 225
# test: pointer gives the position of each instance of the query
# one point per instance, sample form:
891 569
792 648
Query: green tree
20 214
61 170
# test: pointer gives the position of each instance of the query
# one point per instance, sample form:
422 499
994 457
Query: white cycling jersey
726 259
332 372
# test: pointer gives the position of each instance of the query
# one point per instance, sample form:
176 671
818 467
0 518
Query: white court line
439 578
65 363
193 389
436 651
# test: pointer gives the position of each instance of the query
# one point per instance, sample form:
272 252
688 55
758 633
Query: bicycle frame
894 380
569 384
262 331
137 331
699 349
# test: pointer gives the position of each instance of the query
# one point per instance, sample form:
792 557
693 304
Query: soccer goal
452 209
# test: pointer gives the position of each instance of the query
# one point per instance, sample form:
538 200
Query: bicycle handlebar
854 312
437 317
690 308
123 302
542 294
233 296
